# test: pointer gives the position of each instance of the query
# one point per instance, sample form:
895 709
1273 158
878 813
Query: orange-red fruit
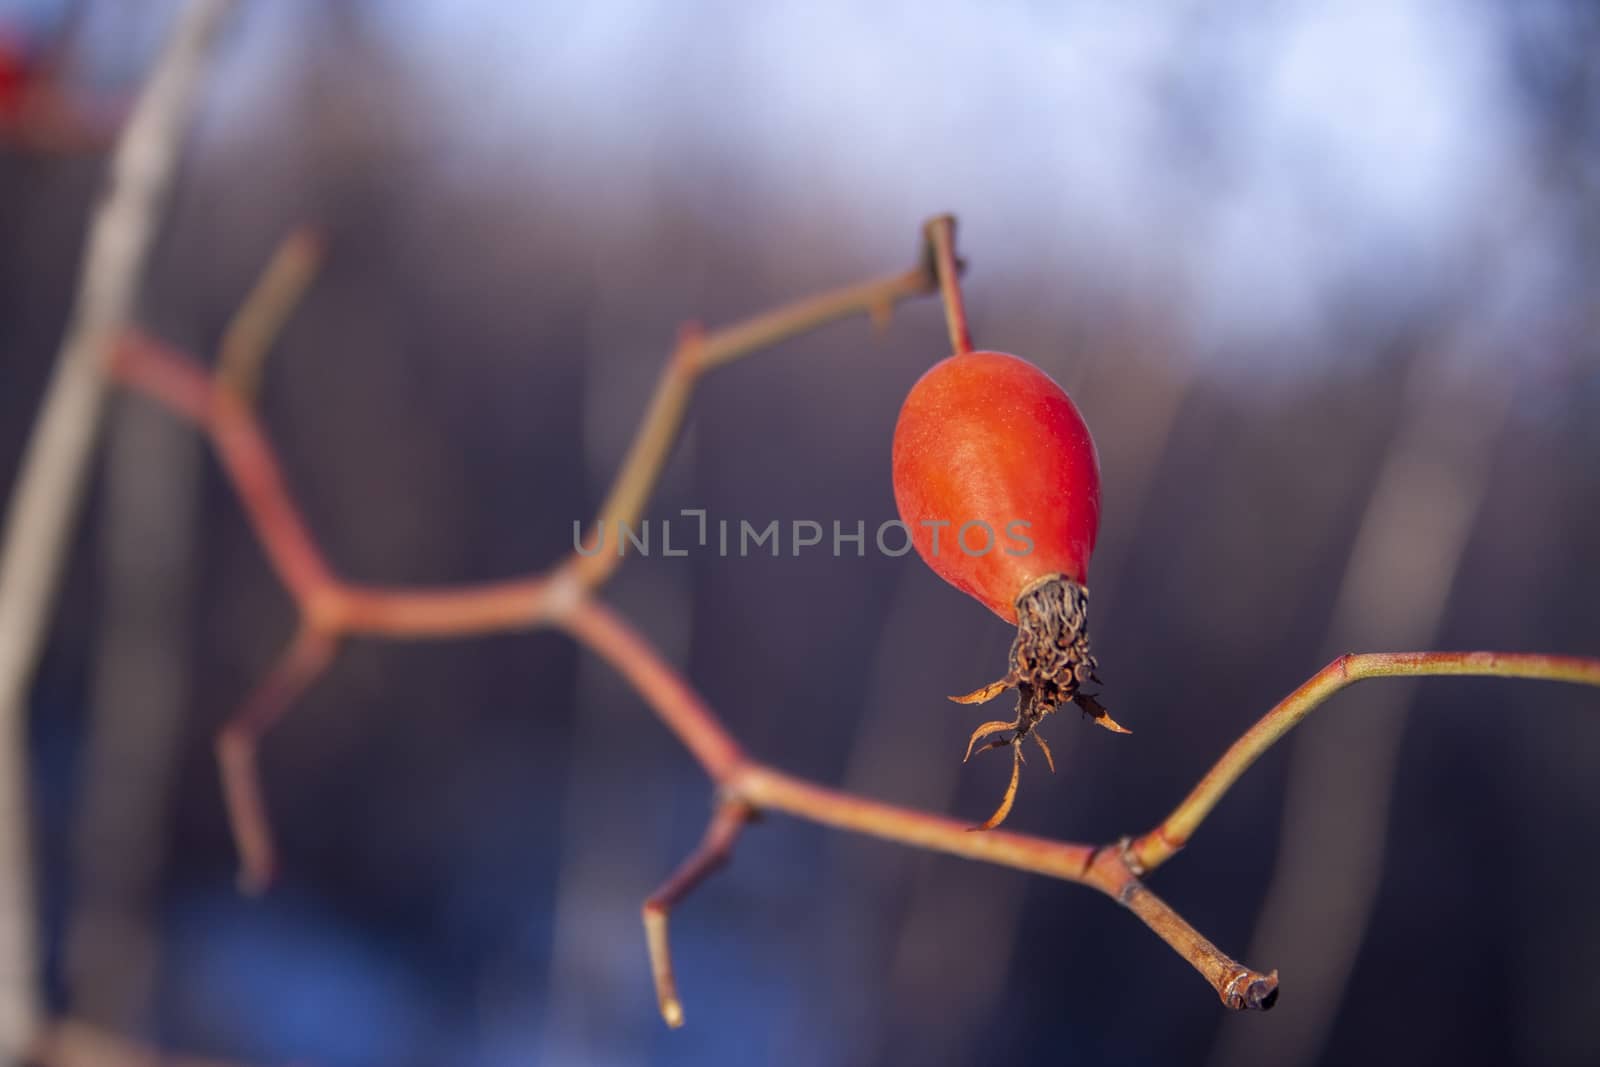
988 438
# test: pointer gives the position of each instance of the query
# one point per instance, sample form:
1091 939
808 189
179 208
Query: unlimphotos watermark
739 537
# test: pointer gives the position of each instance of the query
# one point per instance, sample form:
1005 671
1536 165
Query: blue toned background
1320 277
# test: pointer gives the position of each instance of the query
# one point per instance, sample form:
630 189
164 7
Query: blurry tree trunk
138 700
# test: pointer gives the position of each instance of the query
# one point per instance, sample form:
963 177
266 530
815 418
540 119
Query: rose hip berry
988 440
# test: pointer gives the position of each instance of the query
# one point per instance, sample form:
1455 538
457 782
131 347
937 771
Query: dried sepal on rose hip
988 438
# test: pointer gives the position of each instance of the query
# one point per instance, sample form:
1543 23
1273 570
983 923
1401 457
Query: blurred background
1320 278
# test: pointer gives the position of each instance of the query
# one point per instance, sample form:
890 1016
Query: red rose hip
989 444
996 477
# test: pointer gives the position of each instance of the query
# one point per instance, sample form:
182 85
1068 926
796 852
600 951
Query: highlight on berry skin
988 437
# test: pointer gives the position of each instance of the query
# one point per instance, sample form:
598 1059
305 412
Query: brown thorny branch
330 608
